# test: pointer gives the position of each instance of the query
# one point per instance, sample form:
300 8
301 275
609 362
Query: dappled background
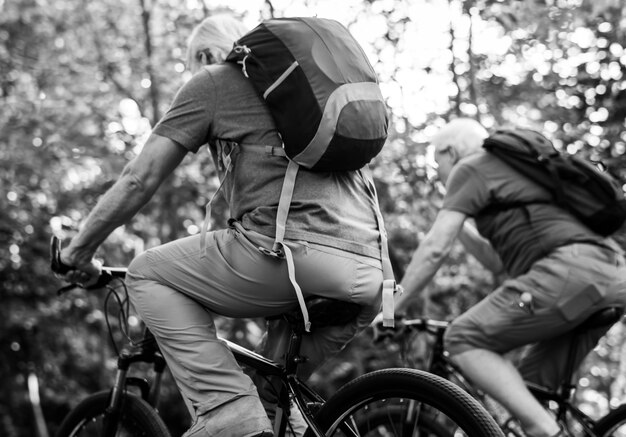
82 83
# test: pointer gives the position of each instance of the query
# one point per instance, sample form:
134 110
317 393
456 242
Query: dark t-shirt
332 209
519 235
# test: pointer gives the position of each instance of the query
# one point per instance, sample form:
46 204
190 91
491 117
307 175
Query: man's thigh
231 277
499 324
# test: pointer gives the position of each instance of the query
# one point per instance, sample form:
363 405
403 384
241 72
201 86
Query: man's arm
430 254
480 248
134 188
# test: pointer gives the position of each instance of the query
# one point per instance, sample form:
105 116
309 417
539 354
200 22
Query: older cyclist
569 271
177 287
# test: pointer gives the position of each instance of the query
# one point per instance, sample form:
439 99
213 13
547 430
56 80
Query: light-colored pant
175 290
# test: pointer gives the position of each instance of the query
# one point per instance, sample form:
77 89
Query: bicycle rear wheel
404 402
137 418
613 424
397 419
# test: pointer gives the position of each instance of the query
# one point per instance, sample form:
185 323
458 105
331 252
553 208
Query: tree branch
455 77
154 89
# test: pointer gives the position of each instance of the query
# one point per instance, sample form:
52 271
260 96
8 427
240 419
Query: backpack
591 195
320 89
324 97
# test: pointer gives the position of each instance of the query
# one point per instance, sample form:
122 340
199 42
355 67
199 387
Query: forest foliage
82 83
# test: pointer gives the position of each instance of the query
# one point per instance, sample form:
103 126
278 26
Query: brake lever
56 265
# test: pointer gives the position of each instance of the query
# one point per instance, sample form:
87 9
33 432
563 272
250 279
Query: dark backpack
320 89
590 194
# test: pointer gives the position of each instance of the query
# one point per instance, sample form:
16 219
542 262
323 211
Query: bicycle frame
291 385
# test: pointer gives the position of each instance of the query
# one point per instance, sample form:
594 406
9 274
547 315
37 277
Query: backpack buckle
246 52
278 254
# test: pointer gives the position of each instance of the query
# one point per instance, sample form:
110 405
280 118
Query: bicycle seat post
292 355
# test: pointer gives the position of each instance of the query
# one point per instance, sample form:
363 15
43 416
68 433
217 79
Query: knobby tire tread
433 390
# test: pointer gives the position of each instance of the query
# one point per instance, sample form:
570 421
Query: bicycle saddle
324 312
604 317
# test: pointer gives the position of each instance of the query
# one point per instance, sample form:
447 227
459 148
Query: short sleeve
188 120
466 191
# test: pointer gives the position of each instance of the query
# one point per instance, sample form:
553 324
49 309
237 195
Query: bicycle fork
149 393
113 411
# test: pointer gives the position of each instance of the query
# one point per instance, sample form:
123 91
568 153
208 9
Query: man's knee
138 272
137 269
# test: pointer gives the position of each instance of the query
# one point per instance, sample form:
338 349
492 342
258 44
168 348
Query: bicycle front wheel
137 418
613 424
404 402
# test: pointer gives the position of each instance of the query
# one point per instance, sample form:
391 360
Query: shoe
242 417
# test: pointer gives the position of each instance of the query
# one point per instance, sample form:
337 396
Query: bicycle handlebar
57 266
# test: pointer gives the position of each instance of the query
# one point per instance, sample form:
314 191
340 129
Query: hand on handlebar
84 274
381 333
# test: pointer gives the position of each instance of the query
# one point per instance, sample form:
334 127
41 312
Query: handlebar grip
104 278
56 264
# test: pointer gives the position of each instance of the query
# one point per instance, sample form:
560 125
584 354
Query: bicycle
119 411
560 401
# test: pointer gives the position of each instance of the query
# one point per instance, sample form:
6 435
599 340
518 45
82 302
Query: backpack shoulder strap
390 287
280 249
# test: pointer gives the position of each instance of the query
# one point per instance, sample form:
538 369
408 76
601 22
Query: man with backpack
560 273
328 245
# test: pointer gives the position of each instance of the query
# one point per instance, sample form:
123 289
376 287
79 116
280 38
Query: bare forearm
118 205
136 185
419 273
429 256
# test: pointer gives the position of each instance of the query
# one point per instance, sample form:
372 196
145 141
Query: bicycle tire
613 424
382 388
138 418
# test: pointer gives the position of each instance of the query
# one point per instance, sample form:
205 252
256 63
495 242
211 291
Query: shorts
567 286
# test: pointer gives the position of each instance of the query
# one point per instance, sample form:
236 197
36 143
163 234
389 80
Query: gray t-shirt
520 236
329 208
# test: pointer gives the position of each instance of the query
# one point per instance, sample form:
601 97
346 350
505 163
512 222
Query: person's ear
454 154
206 56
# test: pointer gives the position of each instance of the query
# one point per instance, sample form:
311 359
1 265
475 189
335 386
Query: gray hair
465 135
217 32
